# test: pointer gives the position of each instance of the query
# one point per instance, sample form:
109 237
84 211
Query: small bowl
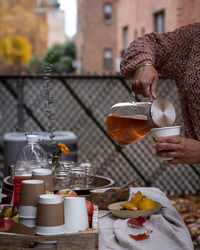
102 198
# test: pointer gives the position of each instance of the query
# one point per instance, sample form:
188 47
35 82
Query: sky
69 6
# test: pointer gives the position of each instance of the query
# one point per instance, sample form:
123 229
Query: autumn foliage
19 24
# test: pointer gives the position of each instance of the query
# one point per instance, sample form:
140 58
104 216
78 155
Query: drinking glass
62 176
78 176
90 172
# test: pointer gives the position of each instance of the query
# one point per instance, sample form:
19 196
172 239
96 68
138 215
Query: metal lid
162 113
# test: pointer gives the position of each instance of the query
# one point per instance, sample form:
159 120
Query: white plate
117 210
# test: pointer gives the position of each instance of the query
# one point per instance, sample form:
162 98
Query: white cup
29 222
50 215
28 212
75 212
163 132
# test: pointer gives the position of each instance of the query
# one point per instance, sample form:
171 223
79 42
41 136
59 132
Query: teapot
128 122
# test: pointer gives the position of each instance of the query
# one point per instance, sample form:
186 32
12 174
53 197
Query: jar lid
162 113
32 138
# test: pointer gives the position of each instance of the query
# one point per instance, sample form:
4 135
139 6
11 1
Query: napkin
169 230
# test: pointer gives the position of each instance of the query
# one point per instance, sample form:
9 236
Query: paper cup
27 212
29 193
29 222
50 215
75 211
163 132
45 175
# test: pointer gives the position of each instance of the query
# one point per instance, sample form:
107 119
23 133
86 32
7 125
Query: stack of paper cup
45 175
29 193
76 217
50 215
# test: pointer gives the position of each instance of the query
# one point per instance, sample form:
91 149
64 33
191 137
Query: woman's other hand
182 150
145 81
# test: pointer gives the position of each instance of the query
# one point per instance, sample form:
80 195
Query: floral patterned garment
175 54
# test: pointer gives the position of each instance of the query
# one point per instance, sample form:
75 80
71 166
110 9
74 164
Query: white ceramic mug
75 212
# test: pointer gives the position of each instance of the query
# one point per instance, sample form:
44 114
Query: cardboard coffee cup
50 215
29 193
45 175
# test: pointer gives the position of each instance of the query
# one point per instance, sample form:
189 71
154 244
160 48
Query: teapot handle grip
134 98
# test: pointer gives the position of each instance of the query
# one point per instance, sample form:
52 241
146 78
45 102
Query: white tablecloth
169 230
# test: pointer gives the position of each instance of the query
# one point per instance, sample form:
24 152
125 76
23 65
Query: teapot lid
162 112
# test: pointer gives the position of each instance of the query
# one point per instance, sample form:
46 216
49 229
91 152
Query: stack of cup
45 175
50 215
29 193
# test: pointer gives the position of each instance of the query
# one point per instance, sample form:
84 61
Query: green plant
62 57
35 64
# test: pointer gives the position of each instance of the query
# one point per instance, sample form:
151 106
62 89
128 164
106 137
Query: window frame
107 62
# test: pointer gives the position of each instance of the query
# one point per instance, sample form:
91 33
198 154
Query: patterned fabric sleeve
168 51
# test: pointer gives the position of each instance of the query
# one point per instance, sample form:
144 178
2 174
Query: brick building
106 27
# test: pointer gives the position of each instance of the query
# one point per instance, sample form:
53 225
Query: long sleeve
168 51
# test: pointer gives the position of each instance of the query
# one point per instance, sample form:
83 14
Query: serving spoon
122 187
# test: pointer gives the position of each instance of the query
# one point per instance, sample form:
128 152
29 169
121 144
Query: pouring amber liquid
125 130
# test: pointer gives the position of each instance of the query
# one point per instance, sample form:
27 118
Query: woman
175 54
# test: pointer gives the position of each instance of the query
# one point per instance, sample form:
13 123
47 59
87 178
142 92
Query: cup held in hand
158 133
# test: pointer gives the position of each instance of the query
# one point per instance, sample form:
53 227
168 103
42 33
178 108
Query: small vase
56 164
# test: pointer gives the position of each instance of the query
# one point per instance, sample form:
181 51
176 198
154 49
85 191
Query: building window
107 12
135 34
107 58
125 37
143 31
159 19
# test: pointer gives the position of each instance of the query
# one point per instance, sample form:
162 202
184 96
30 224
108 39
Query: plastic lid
32 138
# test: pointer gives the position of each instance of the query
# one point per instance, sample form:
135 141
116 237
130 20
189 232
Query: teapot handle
134 98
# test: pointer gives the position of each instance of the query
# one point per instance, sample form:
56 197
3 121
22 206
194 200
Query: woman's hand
182 150
145 81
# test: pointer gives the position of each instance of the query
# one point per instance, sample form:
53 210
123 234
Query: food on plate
129 206
139 202
67 193
136 198
146 203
